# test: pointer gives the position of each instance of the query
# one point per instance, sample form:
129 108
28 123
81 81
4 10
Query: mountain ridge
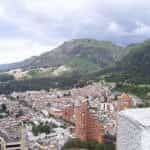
106 52
134 67
87 56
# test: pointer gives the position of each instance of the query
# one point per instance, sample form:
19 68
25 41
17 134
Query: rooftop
11 134
140 116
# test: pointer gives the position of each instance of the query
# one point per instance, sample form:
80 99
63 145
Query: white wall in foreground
146 139
128 135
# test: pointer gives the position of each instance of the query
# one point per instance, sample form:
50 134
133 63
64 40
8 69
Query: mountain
138 60
89 56
83 61
79 54
134 67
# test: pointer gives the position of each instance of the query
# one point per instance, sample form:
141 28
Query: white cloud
17 50
142 29
48 22
55 7
115 28
1 10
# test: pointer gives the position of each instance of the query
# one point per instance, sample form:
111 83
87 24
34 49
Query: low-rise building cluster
12 135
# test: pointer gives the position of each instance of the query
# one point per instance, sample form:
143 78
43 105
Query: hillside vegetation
134 67
79 62
96 53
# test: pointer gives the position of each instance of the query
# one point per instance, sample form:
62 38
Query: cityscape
88 113
74 75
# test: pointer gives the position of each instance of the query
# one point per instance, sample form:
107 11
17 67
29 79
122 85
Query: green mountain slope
134 67
79 62
99 55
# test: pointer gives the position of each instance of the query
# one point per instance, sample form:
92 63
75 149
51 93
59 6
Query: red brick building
68 113
124 102
65 113
87 126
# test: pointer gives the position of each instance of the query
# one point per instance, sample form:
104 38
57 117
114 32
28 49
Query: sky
31 27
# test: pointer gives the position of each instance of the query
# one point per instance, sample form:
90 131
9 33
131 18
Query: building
106 107
124 102
65 113
87 126
11 138
68 113
133 131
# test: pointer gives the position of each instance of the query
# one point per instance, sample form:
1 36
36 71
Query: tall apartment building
88 127
134 129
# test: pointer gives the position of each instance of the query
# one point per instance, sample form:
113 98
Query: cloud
13 50
142 29
115 28
47 23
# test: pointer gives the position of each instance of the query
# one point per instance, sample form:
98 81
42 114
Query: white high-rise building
133 131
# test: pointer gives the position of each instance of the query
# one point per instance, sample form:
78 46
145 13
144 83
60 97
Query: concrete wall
145 139
129 135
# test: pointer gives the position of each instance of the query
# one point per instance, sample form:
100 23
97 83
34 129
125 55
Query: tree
4 107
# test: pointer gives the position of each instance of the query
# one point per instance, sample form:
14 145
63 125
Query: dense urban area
54 119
